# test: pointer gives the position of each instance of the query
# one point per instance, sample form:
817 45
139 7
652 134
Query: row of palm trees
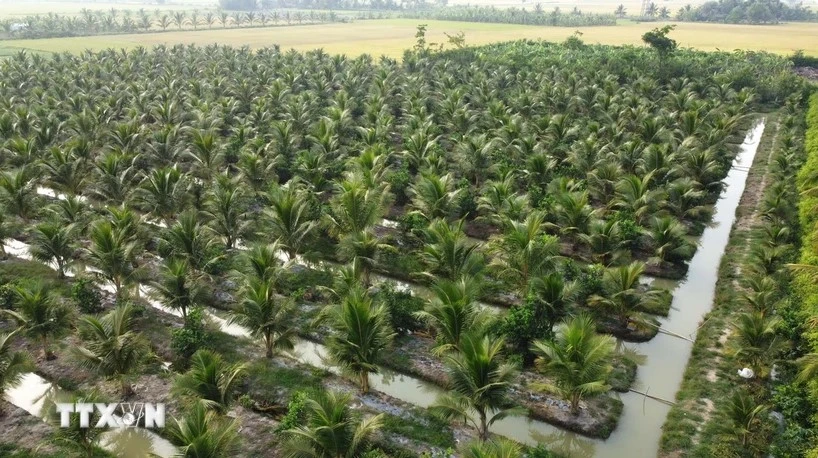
90 22
512 15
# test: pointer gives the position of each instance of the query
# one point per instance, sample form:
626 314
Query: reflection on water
137 443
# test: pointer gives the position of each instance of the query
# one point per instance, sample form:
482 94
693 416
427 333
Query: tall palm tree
266 315
361 332
289 214
262 262
13 364
113 254
331 430
53 242
210 380
111 347
202 433
453 312
577 360
40 316
177 286
479 384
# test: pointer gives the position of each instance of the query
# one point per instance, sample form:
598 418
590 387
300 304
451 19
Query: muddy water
665 355
34 394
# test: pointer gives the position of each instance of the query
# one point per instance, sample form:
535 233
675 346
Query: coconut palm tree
453 311
756 340
53 243
266 316
499 200
113 254
355 207
17 193
331 429
449 254
202 433
289 215
177 286
39 316
188 239
361 332
745 414
226 208
496 448
524 251
210 381
434 196
82 439
111 347
362 249
622 297
161 193
577 360
668 239
13 364
479 384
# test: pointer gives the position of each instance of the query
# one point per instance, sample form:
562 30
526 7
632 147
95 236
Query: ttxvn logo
122 415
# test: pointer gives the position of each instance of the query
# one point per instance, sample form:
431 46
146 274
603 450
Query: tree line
746 12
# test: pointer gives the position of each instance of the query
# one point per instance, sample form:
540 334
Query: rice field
391 37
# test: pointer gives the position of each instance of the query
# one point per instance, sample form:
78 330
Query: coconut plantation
519 249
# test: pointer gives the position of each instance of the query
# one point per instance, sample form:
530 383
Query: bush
7 296
186 340
399 182
401 306
296 412
86 296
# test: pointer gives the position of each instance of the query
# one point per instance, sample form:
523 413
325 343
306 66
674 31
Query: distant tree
620 11
658 39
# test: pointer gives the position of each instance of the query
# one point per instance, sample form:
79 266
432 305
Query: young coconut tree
578 360
266 316
479 384
210 381
202 433
111 347
361 332
331 430
40 316
177 287
53 243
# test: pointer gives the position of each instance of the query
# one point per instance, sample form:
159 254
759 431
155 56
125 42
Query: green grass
16 269
422 427
268 382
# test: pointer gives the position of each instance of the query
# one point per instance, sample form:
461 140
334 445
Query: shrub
296 412
185 341
86 296
7 296
402 307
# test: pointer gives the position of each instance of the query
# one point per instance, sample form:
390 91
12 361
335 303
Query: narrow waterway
665 356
